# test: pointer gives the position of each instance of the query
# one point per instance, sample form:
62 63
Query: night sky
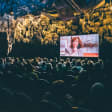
23 7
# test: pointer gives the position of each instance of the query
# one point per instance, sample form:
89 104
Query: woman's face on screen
75 43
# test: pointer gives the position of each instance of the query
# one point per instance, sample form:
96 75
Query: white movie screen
80 45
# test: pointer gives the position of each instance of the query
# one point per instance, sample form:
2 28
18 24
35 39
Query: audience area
55 85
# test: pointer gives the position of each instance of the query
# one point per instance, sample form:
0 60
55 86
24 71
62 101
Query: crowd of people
55 84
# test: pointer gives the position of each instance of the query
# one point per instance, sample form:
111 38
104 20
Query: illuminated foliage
29 28
98 21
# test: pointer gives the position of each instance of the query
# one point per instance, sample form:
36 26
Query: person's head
97 97
76 42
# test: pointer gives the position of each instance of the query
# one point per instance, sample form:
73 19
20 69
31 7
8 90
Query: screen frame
69 36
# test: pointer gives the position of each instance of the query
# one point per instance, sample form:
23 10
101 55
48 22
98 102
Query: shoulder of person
68 50
81 51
